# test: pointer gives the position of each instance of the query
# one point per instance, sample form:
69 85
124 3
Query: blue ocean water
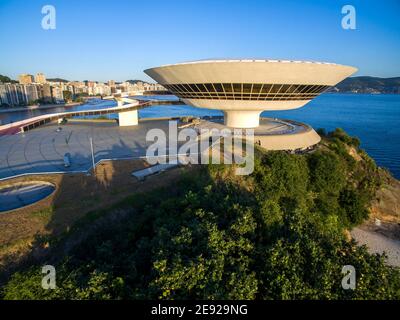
373 118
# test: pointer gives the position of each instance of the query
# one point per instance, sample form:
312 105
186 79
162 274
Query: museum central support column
242 119
128 118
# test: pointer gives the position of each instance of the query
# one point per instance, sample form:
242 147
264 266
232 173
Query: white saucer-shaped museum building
242 89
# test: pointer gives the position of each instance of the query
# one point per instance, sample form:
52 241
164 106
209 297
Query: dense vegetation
277 234
6 79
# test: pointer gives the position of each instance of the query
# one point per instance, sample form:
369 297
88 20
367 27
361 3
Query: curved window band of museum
246 91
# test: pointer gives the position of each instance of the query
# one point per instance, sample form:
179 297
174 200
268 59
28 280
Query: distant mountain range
57 80
136 81
368 85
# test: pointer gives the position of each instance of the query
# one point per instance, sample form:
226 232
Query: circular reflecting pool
21 194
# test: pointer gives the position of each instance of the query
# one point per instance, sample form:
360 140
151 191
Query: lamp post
91 147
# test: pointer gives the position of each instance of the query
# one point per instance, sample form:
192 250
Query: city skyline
37 89
90 41
51 79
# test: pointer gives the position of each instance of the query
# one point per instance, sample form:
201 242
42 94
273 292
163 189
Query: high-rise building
25 78
31 93
4 95
40 78
13 94
102 89
57 94
46 92
20 94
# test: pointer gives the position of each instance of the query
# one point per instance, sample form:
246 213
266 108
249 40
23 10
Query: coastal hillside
57 80
368 85
5 79
280 233
137 81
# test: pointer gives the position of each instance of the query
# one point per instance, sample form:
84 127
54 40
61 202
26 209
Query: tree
6 79
67 95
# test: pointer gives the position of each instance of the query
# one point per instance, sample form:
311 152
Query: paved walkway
18 126
268 126
42 150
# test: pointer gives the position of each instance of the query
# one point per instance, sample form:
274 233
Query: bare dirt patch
386 207
381 233
353 152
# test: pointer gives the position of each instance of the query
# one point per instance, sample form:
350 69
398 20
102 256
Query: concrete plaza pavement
42 150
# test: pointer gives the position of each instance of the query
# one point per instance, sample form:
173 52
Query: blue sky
102 40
